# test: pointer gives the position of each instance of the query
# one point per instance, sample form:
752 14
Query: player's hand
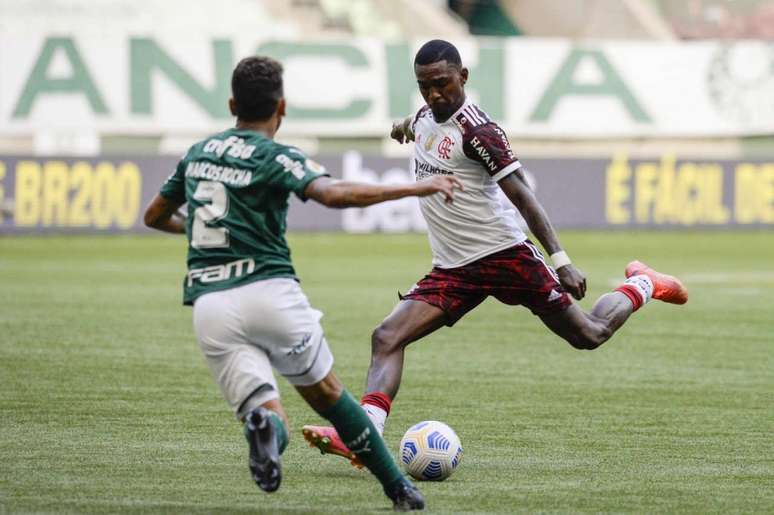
572 280
400 132
444 184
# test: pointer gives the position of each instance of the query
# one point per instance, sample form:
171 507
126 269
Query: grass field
107 405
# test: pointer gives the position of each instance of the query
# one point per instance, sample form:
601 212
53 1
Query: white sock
643 285
377 415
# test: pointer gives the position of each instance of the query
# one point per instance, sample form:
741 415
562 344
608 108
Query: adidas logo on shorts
554 295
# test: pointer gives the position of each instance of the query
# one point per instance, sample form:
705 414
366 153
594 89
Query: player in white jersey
250 314
478 249
477 225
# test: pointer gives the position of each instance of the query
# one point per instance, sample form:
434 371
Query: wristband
560 259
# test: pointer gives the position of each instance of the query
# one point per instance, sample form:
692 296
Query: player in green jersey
249 313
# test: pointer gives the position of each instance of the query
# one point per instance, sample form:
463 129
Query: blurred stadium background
659 112
647 127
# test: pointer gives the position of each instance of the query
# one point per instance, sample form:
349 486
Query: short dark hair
437 50
257 87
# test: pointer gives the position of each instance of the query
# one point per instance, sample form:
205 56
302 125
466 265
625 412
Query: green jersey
237 184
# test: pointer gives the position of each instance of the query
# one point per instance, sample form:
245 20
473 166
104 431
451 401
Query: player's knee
384 340
323 394
589 337
582 343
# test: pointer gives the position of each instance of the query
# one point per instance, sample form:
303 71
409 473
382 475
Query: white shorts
246 330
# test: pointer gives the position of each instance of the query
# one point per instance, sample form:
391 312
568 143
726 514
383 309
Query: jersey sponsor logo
486 157
301 347
445 146
422 170
234 146
291 165
213 172
484 154
503 138
217 273
506 145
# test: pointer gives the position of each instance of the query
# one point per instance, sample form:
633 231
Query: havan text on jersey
487 159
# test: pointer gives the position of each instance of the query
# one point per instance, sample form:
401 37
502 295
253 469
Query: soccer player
478 249
249 313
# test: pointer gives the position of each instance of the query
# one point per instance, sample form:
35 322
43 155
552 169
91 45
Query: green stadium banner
109 194
145 84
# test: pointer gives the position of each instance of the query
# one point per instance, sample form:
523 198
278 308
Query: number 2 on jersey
203 236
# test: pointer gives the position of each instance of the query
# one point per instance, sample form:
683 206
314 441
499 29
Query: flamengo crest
444 147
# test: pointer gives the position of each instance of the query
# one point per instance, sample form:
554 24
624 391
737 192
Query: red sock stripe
633 295
378 399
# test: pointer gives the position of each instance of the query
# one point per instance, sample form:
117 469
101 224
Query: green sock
359 434
279 430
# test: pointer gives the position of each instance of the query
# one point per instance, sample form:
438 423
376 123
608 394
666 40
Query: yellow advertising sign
56 194
688 193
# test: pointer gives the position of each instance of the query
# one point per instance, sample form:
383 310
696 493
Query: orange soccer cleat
666 288
328 441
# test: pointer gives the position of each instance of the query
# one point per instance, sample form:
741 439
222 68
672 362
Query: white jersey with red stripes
476 151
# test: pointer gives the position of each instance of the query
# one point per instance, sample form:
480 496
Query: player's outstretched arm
516 189
340 194
161 214
401 131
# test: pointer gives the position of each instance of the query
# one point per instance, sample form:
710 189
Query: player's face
442 87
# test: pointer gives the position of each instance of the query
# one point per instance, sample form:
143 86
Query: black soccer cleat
405 497
264 455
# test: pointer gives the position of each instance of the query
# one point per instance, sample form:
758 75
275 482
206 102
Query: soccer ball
430 451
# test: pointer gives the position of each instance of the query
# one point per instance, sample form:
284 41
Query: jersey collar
454 115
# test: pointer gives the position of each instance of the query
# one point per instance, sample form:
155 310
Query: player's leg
267 437
590 330
520 275
409 321
301 354
441 298
243 373
332 401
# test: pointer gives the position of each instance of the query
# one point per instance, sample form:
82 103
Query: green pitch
107 406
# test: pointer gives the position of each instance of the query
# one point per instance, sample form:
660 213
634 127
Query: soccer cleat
327 440
405 497
264 455
665 287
